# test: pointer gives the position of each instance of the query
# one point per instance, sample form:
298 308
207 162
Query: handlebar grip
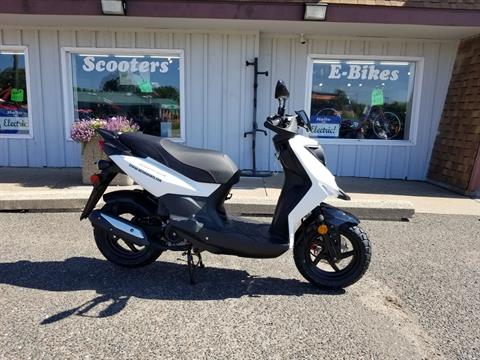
274 120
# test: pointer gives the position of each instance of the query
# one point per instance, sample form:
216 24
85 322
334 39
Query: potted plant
83 132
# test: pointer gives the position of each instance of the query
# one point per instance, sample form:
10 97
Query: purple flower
83 131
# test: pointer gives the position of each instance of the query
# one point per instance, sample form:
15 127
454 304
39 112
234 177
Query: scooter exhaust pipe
117 226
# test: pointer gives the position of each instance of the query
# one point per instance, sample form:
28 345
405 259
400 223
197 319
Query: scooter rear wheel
317 264
120 251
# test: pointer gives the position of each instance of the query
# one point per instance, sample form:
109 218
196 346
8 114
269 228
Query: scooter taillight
95 179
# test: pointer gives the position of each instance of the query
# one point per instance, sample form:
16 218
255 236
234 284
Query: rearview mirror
281 91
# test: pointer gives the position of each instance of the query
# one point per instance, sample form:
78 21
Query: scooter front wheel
335 260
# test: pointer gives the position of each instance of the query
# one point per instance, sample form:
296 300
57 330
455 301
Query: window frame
67 79
416 97
24 50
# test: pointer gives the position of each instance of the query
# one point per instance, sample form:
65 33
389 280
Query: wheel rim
325 263
387 126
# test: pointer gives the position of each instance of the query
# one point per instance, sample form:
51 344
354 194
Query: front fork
327 221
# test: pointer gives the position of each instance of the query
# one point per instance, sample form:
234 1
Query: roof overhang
251 10
309 28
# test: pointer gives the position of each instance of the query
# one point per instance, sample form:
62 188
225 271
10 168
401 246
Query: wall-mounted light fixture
315 11
114 7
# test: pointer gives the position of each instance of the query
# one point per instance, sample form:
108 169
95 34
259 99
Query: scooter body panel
159 179
323 183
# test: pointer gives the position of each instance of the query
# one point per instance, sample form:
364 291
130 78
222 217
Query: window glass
13 94
145 89
360 99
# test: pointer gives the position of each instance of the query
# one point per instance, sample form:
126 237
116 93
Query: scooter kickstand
200 261
191 266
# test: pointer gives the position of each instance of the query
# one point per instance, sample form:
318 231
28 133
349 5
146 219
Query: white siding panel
68 39
104 38
214 74
195 91
265 105
332 157
363 161
347 160
36 147
52 95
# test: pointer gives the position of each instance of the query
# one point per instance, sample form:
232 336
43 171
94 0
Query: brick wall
444 4
456 148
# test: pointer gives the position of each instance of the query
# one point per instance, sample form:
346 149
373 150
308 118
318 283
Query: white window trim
416 98
24 51
67 81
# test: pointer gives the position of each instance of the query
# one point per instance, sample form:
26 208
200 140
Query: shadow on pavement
161 281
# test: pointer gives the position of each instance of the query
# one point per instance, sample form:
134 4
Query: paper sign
377 97
165 129
17 95
325 126
145 86
13 121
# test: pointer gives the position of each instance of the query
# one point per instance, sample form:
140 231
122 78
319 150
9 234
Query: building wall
219 94
286 58
218 89
456 150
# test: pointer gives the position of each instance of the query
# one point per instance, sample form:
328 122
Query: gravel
60 299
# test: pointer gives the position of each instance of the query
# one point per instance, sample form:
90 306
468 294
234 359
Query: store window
362 99
145 88
14 112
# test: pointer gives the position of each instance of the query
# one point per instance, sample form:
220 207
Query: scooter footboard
238 237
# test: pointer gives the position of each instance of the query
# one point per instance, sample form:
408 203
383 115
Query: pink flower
83 131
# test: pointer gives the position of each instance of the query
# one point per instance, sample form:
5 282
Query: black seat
198 164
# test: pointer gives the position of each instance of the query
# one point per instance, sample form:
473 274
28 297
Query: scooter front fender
337 217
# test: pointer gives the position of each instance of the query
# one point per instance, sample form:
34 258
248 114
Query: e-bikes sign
92 63
362 72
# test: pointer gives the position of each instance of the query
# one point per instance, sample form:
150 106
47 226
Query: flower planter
91 154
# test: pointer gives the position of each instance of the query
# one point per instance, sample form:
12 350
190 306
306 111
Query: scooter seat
197 164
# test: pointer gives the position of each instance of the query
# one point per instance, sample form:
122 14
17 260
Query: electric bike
181 205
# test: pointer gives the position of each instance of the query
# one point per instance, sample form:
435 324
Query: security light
114 7
315 11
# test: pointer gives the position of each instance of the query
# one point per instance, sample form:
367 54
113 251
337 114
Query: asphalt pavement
60 299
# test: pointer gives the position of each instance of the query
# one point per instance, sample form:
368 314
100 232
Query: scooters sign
92 63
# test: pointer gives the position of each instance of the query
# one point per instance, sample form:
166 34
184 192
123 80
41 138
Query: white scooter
182 205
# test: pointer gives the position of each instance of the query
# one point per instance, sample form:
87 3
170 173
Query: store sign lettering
363 72
90 63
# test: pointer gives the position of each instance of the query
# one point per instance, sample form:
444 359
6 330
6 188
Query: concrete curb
365 210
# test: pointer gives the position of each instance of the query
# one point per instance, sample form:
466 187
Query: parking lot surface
60 299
